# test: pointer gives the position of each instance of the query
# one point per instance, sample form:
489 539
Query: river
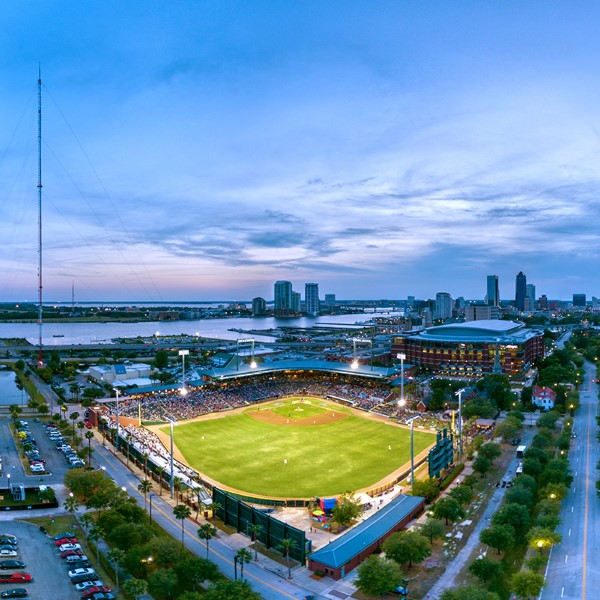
58 334
9 393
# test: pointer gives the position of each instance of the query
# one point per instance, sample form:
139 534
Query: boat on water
58 335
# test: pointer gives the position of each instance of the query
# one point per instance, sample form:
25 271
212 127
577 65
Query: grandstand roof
245 370
343 549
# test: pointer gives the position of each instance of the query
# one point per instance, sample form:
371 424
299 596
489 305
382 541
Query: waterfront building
283 298
493 293
296 302
520 291
259 307
329 300
311 298
469 349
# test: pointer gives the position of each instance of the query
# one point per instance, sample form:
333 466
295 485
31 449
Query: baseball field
296 447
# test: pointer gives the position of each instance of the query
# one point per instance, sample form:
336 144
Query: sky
198 150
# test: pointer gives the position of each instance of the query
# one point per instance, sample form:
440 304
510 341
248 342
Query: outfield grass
297 461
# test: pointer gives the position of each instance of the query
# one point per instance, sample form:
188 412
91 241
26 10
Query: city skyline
207 151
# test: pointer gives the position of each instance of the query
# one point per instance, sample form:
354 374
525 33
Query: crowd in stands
165 405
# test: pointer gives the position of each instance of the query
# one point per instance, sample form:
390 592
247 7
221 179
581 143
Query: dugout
345 553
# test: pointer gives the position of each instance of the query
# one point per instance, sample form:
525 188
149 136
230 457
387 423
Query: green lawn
294 461
299 411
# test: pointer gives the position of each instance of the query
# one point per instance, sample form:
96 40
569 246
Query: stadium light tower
401 356
412 449
117 392
245 341
460 441
355 362
171 465
183 354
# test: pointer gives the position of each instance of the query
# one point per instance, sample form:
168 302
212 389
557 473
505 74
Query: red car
15 578
71 553
97 589
87 424
64 541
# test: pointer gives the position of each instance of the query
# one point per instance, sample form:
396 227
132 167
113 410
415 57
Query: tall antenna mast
39 185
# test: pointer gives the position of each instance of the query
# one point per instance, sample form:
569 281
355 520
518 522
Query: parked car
76 572
100 596
5 552
74 558
66 553
8 540
64 534
14 593
81 578
62 541
69 547
97 589
37 469
80 564
15 578
88 584
12 564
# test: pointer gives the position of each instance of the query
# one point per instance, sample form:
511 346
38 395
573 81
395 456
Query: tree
207 532
116 556
286 546
226 590
347 510
145 486
136 587
162 582
499 537
527 584
95 535
194 570
86 520
254 531
89 436
462 494
515 515
74 389
182 512
161 360
428 488
508 428
407 547
74 416
541 538
160 471
215 507
378 575
449 509
485 569
491 451
482 465
433 529
469 592
243 558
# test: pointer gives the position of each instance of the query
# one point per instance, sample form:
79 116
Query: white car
6 552
86 584
37 469
86 571
66 547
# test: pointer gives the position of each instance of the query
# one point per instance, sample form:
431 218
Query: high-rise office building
543 302
283 297
259 307
443 306
530 291
520 291
579 300
493 293
311 298
329 300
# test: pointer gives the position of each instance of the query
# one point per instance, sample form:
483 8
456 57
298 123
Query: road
572 572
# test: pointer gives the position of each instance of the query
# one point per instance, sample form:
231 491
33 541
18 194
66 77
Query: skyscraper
311 298
520 291
530 291
493 293
259 307
283 297
443 306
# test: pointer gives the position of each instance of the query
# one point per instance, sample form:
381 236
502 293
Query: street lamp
8 482
183 354
460 441
117 392
402 357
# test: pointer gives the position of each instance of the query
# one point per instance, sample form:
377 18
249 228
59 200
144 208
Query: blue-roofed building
346 552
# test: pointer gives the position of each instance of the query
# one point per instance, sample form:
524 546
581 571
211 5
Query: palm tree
254 531
71 504
74 416
136 587
146 463
89 436
207 532
215 506
159 472
116 556
145 487
128 438
243 558
86 520
176 486
74 389
182 512
286 546
96 534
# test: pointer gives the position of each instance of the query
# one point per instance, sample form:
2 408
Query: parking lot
43 563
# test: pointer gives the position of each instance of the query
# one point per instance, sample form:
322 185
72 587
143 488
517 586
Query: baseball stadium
280 431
